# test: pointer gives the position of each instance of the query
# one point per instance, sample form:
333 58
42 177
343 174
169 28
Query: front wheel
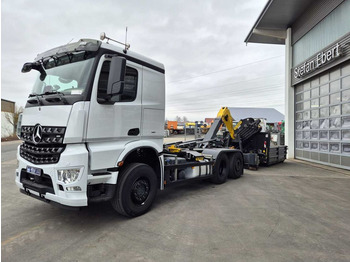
136 190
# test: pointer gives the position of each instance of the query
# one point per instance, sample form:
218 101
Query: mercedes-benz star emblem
37 134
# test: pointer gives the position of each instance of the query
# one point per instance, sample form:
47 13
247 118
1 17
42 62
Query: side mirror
27 67
116 76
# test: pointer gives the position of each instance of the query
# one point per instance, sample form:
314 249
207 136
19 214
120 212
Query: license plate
34 170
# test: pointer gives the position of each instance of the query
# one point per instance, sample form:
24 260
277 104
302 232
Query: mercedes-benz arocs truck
92 131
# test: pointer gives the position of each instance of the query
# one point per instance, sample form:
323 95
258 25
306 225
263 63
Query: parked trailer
175 128
95 133
259 148
263 146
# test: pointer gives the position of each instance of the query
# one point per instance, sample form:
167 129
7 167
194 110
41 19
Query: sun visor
82 45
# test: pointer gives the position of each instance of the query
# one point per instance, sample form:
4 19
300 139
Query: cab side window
130 84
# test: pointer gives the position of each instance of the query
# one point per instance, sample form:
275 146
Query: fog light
73 188
68 175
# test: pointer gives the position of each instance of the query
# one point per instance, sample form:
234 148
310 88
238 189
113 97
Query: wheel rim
140 191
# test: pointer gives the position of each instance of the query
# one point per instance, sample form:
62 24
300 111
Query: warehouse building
270 114
316 35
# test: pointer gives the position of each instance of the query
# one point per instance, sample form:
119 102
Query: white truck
93 131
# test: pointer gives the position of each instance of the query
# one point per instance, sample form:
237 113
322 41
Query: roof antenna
127 46
126 37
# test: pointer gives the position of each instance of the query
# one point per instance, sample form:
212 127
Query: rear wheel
136 190
221 169
236 166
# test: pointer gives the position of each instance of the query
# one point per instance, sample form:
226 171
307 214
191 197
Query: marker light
73 188
103 36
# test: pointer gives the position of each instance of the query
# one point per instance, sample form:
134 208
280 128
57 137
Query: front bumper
75 155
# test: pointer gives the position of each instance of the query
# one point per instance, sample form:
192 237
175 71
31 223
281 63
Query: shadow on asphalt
103 212
97 213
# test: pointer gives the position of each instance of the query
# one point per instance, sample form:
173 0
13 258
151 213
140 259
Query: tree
12 118
178 118
185 119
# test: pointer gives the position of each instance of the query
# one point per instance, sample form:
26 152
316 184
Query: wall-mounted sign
317 61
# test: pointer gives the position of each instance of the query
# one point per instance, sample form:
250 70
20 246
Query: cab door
120 119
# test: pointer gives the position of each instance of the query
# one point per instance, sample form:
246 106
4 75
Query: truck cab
75 130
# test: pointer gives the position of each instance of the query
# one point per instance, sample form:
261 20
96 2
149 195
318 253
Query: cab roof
93 46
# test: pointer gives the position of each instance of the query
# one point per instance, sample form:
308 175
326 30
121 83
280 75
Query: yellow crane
226 117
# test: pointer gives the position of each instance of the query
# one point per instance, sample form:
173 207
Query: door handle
134 132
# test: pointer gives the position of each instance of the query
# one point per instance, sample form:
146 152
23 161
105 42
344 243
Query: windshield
69 78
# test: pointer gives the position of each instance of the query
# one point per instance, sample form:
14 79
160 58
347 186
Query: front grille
41 184
50 135
48 154
47 150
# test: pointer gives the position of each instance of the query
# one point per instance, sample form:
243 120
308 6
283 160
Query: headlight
68 175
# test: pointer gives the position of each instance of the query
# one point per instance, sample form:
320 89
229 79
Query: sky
201 44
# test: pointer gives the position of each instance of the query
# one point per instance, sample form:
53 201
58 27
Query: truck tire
236 166
136 190
221 169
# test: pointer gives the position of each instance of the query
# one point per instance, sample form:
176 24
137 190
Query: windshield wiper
53 93
37 98
60 94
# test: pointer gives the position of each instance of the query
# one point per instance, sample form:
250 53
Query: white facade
7 128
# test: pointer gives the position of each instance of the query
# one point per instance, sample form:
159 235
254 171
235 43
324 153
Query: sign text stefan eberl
320 59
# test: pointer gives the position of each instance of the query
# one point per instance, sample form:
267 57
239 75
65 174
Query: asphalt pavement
288 212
